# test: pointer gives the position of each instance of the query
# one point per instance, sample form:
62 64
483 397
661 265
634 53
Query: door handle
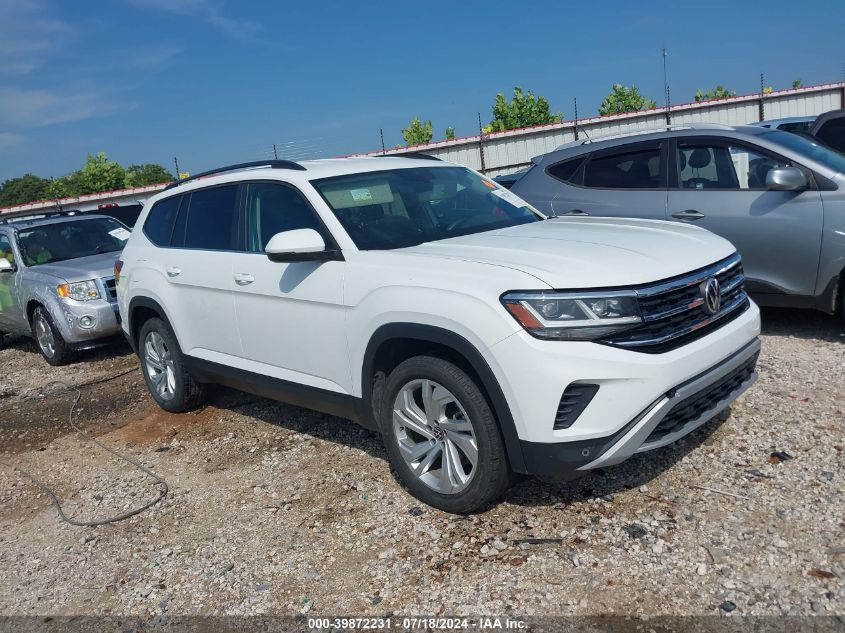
576 212
689 214
243 279
173 272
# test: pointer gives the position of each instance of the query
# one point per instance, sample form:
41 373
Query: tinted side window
723 166
159 224
832 134
273 208
567 170
6 251
211 221
637 169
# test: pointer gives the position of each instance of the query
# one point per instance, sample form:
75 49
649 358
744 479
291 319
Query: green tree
148 174
98 174
796 83
719 92
623 99
450 133
27 188
418 133
524 110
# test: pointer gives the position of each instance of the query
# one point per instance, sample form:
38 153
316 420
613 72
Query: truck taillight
118 266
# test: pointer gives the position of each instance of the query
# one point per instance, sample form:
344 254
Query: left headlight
573 316
80 290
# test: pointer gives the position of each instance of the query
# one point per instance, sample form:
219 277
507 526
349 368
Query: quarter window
716 166
633 169
159 225
567 170
273 208
211 221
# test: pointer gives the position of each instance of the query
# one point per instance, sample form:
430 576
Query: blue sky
216 82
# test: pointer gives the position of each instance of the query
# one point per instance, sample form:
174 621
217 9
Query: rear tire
49 340
163 364
442 437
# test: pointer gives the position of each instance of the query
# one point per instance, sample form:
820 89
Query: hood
589 252
81 268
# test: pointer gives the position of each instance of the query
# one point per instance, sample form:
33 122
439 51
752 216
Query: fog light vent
87 322
573 402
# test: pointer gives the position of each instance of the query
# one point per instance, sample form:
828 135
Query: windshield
404 207
813 149
68 240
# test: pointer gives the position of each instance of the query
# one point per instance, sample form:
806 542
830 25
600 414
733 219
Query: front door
11 312
720 185
290 315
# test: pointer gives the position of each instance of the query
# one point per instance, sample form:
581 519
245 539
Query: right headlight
574 316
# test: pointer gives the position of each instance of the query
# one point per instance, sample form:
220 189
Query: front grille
674 310
693 407
111 289
575 399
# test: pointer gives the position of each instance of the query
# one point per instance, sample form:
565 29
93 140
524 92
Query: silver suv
57 280
779 197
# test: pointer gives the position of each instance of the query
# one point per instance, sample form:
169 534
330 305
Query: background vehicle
829 128
422 300
126 214
779 197
788 124
57 280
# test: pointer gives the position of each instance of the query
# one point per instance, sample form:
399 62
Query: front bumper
81 322
673 415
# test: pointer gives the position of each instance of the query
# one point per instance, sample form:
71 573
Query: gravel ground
278 510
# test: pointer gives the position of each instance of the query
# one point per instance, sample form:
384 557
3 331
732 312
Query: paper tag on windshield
120 233
507 196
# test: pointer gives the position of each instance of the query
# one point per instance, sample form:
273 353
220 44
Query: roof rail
418 155
22 216
660 128
272 164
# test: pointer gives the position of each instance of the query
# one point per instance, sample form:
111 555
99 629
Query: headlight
573 316
80 291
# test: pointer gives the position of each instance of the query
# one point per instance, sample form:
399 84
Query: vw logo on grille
712 295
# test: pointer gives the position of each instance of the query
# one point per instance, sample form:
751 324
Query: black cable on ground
163 490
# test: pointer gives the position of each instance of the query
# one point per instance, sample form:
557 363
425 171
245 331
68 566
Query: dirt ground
278 510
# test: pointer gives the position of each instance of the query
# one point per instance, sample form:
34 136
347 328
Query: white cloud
21 108
209 11
10 139
28 34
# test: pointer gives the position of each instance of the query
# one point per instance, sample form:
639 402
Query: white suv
425 302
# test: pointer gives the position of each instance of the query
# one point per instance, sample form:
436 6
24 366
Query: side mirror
786 179
299 245
6 266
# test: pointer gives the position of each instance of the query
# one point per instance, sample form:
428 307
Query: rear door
719 185
290 315
197 268
628 181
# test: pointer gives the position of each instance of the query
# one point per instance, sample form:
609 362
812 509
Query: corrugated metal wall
505 152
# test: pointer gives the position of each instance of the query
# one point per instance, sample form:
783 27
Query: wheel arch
140 310
392 343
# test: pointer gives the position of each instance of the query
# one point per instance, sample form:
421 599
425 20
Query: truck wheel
170 384
48 339
442 437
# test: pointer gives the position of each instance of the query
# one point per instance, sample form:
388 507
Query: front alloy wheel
435 436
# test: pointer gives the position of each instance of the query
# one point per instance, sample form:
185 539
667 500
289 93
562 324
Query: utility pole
481 142
666 88
575 125
381 133
275 153
176 162
762 105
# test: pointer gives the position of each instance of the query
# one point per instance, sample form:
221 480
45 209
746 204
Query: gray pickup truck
57 280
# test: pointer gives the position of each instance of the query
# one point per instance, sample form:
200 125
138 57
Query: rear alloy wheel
170 384
442 437
49 340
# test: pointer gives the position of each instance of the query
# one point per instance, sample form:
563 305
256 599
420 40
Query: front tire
48 339
168 380
442 437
